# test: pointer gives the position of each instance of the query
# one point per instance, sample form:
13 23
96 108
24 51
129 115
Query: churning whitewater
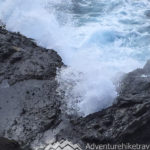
99 40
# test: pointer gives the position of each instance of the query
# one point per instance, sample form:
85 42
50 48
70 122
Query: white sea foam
96 39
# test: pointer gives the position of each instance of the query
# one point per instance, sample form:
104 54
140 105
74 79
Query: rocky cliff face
30 105
126 121
29 102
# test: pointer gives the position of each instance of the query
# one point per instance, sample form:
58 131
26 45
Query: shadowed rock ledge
29 102
126 121
30 106
6 144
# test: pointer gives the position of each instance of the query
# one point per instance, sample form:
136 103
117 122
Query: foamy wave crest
96 39
85 93
90 83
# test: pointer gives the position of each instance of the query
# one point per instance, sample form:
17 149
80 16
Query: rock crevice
30 105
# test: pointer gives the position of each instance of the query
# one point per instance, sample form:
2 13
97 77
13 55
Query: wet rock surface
30 105
29 102
127 121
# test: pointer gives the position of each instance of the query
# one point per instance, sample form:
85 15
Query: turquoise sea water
98 39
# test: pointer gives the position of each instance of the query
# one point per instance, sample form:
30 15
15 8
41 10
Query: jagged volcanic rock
29 102
30 106
127 121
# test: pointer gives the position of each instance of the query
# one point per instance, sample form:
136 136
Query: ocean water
99 40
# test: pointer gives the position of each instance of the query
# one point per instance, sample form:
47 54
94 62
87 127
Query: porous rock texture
29 101
126 121
30 105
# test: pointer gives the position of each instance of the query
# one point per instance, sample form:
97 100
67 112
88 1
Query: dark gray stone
6 144
30 106
126 121
29 101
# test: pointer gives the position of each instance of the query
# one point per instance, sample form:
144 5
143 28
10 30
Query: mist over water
98 40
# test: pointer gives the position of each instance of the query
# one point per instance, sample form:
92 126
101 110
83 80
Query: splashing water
97 39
